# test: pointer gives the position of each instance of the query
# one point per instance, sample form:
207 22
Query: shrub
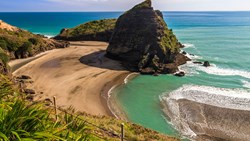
26 47
3 44
4 57
34 41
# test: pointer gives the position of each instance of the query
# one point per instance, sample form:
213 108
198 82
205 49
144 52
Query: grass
92 27
22 120
145 4
22 44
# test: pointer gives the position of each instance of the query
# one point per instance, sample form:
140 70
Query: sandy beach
79 76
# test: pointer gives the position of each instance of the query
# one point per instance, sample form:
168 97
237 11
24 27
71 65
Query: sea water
222 38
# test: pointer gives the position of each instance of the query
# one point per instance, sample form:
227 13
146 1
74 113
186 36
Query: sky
120 5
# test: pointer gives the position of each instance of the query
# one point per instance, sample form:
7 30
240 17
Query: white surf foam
246 84
223 72
190 68
190 106
48 36
221 97
129 77
189 45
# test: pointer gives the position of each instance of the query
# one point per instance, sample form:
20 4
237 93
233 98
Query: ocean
222 38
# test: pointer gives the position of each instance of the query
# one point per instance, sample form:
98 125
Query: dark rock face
197 62
180 74
29 91
141 38
24 77
206 64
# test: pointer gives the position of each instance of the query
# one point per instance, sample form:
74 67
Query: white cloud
72 1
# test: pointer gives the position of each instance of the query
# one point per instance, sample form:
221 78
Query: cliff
100 30
142 40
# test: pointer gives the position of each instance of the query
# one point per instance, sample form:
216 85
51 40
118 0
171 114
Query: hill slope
100 30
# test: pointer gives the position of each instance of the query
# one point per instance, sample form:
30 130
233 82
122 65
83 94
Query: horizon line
121 11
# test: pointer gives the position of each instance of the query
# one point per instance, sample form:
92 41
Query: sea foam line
189 108
221 97
224 72
246 84
189 45
191 68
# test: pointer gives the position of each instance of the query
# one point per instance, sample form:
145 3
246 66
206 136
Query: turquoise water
50 23
223 38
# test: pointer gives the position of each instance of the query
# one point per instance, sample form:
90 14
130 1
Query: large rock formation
100 30
142 40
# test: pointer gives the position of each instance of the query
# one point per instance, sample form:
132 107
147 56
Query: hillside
21 119
17 43
100 30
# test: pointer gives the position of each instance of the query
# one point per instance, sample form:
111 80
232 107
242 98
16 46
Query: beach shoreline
110 95
91 93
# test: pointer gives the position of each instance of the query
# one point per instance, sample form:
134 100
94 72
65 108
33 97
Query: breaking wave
246 84
188 45
224 72
191 68
202 112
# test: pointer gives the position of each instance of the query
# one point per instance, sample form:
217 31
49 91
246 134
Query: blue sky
121 5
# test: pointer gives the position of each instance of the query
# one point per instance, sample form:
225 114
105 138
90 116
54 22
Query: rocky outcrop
100 30
206 64
142 39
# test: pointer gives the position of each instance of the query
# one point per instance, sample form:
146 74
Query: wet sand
79 76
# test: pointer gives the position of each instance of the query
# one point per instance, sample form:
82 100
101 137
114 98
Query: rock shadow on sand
98 59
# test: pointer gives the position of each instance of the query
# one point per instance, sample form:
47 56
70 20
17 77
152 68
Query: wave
188 45
46 35
224 72
130 77
246 84
202 111
191 68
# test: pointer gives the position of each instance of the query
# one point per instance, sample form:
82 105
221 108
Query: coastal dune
79 76
209 113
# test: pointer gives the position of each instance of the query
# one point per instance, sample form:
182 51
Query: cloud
73 1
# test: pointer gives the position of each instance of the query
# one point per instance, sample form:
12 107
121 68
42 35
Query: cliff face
100 30
143 41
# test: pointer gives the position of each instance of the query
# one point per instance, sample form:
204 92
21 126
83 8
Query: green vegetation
12 41
168 42
94 27
24 120
145 4
3 45
4 57
21 44
90 28
34 41
21 120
